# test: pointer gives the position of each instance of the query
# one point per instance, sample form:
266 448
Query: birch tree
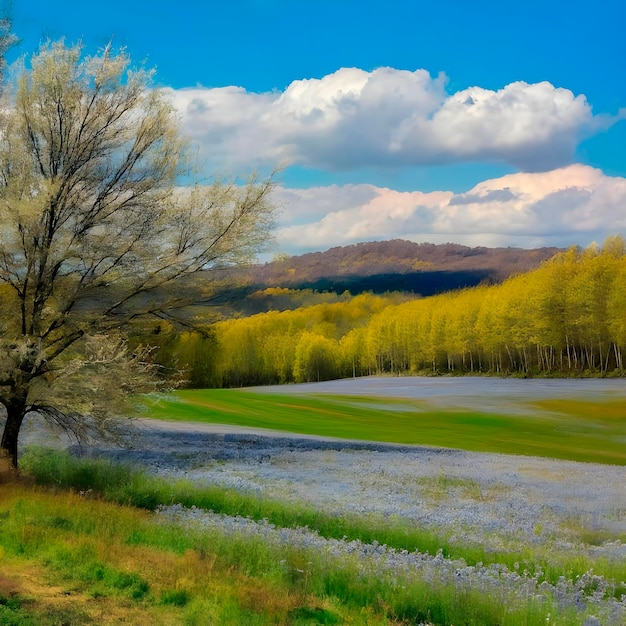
95 234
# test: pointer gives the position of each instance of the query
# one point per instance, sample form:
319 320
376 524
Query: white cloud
531 126
387 117
571 205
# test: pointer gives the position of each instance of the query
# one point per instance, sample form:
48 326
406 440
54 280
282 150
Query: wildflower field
205 523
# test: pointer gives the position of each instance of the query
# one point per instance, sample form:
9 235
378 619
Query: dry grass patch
67 560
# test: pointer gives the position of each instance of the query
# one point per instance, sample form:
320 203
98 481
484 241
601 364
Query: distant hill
422 269
397 265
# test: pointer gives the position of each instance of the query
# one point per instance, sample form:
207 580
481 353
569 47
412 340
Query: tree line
566 318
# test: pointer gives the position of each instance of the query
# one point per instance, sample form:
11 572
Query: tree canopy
96 231
565 318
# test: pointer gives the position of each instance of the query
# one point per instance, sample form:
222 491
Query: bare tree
95 233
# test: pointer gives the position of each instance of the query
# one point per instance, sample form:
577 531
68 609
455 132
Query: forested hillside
397 265
568 317
399 257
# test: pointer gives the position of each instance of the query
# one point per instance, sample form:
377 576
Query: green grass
100 558
113 564
130 486
126 485
572 430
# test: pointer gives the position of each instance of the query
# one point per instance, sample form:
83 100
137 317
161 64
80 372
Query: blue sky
484 123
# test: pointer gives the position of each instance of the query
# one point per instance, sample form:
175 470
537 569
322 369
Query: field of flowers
535 524
516 531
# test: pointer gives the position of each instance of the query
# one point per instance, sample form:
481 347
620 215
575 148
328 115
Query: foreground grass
67 560
592 431
315 588
101 557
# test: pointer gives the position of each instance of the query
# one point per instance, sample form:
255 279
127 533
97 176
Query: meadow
584 427
245 529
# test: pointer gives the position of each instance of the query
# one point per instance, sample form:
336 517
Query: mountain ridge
375 261
378 267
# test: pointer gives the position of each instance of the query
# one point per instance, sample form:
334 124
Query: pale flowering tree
95 234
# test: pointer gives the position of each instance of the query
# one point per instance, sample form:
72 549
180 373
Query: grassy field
68 561
593 431
80 543
72 557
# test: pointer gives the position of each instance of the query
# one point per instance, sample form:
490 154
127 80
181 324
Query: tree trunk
8 446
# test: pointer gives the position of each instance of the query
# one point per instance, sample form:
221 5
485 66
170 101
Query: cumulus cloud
576 204
387 118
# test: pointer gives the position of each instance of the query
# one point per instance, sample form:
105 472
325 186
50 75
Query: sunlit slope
577 430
